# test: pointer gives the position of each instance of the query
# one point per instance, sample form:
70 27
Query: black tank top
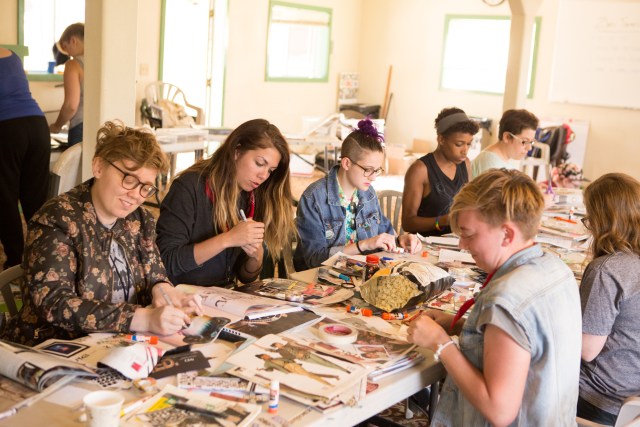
440 198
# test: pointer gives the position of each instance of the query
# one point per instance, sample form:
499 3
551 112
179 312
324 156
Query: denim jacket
321 221
534 298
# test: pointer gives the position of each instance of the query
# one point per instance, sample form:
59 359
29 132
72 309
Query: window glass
476 53
299 42
44 22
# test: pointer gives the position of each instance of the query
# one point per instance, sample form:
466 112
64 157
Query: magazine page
274 324
34 369
177 407
301 371
369 348
238 304
297 292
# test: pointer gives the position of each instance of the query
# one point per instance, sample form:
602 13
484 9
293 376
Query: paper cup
103 408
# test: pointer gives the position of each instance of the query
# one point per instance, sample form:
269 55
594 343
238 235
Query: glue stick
274 396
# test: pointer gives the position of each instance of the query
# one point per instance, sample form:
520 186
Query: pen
166 297
559 218
133 406
185 325
243 216
197 410
142 338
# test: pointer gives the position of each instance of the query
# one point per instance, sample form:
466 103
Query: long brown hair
613 214
272 198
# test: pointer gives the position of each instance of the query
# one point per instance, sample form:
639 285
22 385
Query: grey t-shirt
610 297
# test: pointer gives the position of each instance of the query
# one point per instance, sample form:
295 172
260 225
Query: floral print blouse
68 282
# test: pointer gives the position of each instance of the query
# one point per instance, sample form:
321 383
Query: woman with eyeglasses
222 214
610 296
433 180
516 135
91 263
341 213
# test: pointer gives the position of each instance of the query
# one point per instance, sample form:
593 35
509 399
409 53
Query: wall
248 96
368 36
408 34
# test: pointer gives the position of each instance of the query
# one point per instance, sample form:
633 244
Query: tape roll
335 333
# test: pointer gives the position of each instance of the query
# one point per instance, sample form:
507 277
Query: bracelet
440 349
358 246
438 224
244 266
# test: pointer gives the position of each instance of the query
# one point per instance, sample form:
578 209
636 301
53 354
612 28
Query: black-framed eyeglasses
368 171
130 182
585 221
522 140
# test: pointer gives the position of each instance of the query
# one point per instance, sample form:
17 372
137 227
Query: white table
393 389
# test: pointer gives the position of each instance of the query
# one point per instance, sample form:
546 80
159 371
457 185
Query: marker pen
142 338
367 312
395 316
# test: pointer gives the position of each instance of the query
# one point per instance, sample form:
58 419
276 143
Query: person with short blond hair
91 263
610 295
519 350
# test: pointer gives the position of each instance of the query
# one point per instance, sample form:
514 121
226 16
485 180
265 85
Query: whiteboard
597 53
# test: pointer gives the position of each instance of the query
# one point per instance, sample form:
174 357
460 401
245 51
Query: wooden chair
7 278
391 204
629 415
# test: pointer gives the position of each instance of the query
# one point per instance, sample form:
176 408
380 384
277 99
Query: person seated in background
610 295
71 43
516 135
91 264
341 213
523 333
220 212
433 180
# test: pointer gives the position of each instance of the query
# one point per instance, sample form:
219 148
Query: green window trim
322 79
532 63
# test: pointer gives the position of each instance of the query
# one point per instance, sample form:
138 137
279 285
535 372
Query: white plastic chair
629 415
159 91
528 164
66 173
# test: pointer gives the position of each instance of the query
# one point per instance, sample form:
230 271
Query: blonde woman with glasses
91 263
341 213
516 135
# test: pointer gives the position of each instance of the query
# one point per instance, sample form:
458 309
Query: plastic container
373 265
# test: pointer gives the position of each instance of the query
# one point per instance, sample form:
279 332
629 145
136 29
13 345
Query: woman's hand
410 243
384 241
426 332
246 233
188 303
165 320
254 251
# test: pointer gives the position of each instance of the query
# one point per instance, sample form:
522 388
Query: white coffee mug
103 408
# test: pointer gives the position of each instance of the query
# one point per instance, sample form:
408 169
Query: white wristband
440 349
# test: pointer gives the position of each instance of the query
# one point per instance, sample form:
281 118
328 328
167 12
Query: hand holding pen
247 232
